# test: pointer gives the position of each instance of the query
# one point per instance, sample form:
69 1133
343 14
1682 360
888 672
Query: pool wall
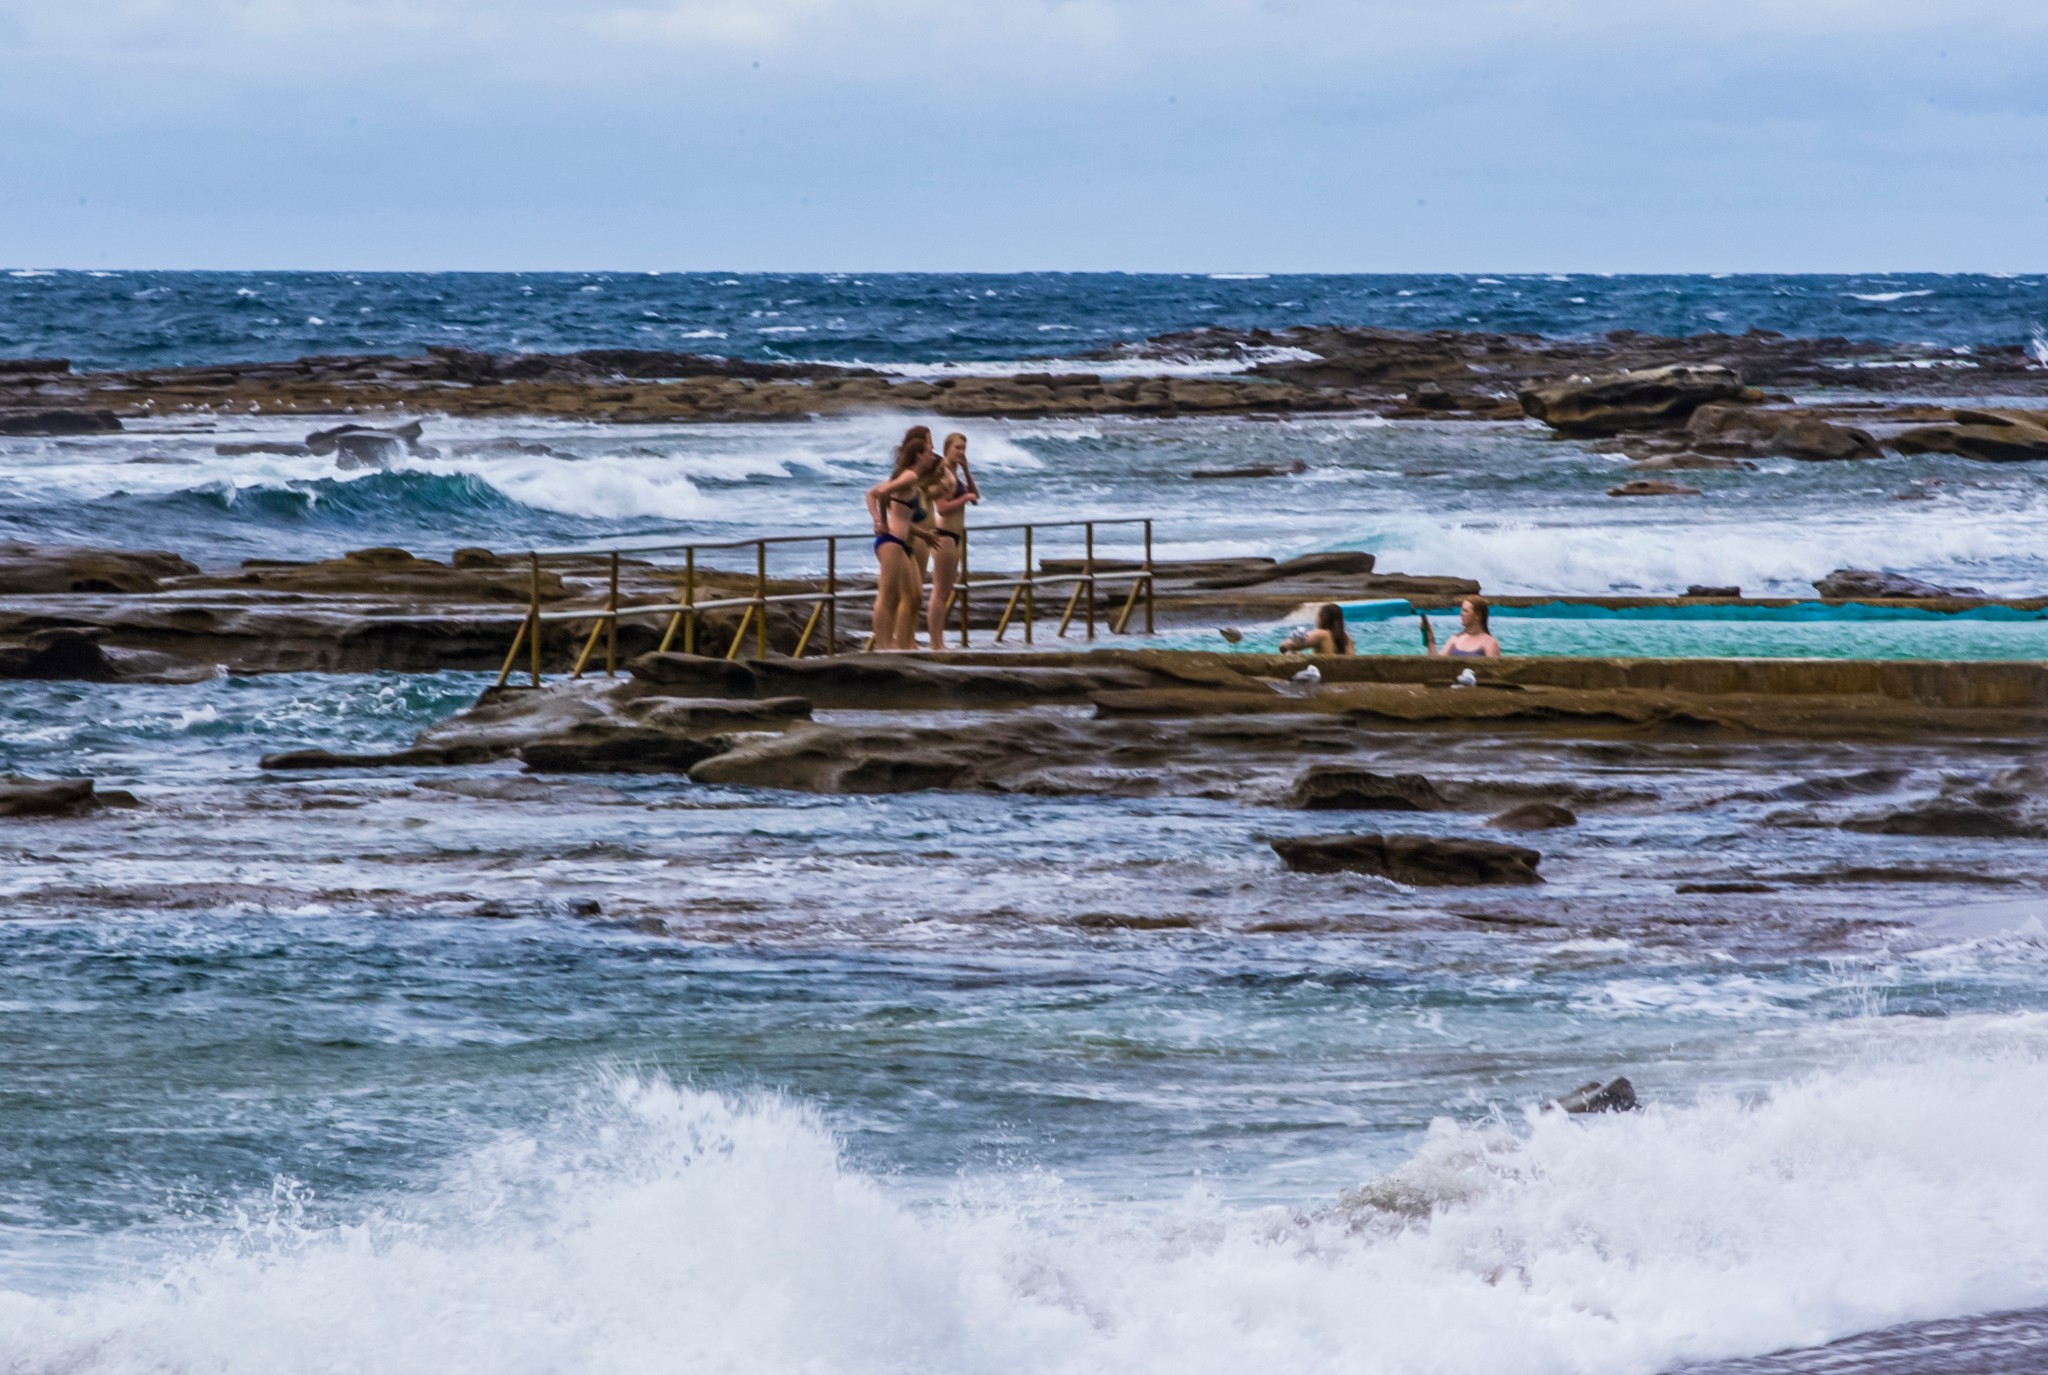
1974 684
1987 684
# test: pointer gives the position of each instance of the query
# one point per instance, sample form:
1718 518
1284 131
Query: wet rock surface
1988 436
1337 787
1645 399
1765 432
1425 861
1533 816
44 568
1850 583
1616 1095
58 797
1624 381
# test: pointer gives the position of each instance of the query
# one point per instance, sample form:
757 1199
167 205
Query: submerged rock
1423 861
1864 582
1339 787
1293 469
1652 487
1647 399
58 797
1534 816
1616 1095
1996 817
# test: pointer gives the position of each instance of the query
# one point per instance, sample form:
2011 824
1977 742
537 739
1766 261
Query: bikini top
1465 653
915 501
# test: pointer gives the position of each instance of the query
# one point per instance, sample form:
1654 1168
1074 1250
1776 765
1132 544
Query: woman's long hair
1331 619
916 440
1478 605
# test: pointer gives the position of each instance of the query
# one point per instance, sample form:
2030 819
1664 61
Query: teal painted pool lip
1563 610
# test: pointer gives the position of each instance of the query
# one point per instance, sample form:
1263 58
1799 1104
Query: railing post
611 643
1030 587
533 615
690 600
1148 575
832 592
963 590
1088 571
761 599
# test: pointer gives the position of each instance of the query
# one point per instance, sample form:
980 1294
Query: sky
1001 135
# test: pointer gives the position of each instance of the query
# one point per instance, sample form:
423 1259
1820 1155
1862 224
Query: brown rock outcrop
1988 436
1420 861
1845 583
1649 399
63 653
1762 432
40 568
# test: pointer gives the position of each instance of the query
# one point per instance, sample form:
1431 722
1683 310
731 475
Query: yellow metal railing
685 611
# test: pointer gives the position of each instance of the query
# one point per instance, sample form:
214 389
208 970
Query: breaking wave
657 1228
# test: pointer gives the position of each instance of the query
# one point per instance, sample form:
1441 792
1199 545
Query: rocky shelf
1622 384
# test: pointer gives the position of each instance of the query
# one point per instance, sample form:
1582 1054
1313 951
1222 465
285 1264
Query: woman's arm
881 492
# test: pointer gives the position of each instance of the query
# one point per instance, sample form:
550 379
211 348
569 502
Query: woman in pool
1473 640
956 488
902 518
1328 637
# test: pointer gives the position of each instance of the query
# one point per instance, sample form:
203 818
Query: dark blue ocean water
130 319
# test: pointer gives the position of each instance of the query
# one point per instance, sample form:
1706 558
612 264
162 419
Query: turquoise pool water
1803 630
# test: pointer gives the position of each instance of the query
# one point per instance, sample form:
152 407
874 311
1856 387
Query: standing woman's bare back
897 507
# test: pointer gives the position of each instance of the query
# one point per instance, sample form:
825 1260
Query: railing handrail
684 611
752 540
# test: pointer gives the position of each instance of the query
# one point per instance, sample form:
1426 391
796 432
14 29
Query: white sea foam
2000 552
1147 366
1883 297
670 1230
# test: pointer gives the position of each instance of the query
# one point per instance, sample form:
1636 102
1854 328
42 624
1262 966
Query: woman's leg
945 568
910 603
888 586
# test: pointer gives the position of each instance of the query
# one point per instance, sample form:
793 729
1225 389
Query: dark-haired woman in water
1473 640
1328 637
901 517
957 491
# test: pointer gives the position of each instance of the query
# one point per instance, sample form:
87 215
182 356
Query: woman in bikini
1328 637
957 491
1473 640
902 518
